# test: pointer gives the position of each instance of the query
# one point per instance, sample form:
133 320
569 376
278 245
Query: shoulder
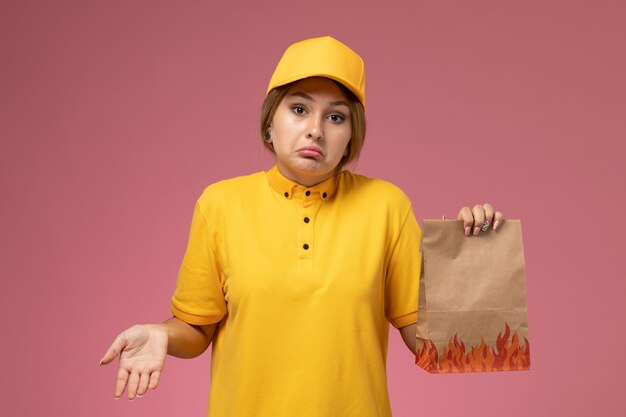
374 190
229 190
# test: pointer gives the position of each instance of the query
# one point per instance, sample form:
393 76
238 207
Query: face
310 130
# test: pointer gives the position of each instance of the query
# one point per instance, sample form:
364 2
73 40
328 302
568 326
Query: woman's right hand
142 349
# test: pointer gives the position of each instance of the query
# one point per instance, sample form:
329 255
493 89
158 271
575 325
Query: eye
337 118
297 109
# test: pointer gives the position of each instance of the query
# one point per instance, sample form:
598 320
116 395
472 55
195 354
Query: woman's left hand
479 218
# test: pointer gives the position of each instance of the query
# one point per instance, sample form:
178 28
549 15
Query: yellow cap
321 57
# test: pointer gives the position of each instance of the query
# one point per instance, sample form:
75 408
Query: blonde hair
357 119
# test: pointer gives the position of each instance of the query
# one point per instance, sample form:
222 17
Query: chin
311 165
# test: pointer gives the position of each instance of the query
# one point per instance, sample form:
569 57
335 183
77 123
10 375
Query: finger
443 217
144 379
489 211
118 345
120 383
468 219
498 218
133 383
154 379
479 218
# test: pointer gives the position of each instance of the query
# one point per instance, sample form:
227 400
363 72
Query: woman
294 274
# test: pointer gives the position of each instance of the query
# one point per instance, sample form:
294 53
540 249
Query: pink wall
115 115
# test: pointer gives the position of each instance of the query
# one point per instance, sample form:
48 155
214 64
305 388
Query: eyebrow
308 97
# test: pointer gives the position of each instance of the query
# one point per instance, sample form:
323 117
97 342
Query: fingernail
495 224
476 231
467 231
101 362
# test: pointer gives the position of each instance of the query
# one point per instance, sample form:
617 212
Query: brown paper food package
472 313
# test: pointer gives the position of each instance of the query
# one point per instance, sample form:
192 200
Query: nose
315 128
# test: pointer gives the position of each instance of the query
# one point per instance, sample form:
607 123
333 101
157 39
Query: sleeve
199 296
403 275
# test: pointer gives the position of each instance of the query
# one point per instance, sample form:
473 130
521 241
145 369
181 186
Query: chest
304 253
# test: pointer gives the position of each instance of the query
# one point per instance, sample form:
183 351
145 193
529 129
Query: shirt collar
288 188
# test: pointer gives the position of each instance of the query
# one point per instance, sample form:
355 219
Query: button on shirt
304 282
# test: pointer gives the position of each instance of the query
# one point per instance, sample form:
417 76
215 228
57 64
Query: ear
267 136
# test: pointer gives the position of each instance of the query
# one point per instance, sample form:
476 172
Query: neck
305 180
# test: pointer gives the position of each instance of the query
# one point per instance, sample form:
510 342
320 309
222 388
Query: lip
313 151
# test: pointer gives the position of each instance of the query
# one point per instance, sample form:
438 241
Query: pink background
115 115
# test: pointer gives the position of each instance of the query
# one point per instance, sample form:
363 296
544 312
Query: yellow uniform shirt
304 282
